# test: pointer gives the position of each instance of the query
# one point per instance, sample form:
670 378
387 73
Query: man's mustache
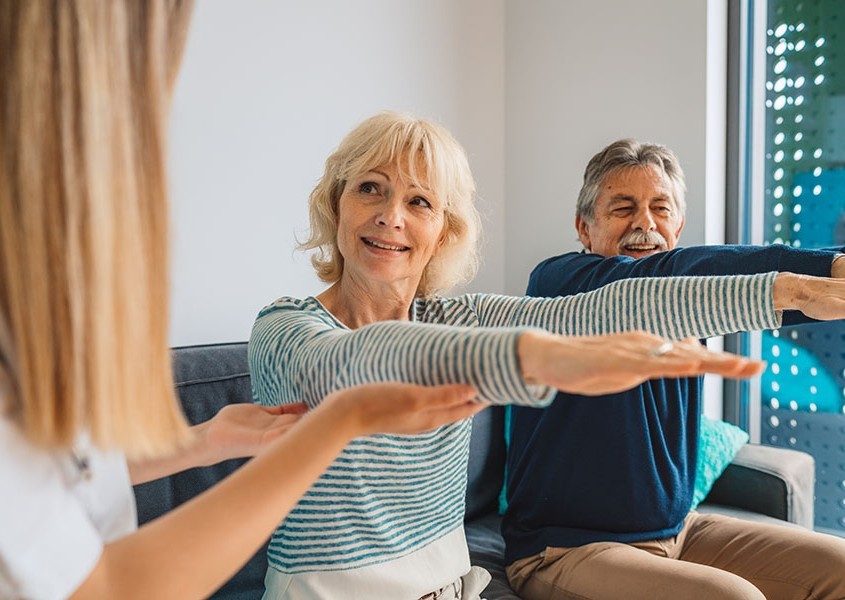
643 238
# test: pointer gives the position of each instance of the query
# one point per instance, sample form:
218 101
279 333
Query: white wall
267 90
579 75
532 88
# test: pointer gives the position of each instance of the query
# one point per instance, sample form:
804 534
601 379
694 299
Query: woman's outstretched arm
191 551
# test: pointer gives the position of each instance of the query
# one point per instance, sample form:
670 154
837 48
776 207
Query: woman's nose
391 215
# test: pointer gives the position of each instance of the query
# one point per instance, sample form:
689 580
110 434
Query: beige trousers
713 557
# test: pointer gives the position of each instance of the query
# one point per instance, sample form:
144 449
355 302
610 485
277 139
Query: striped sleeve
673 307
295 354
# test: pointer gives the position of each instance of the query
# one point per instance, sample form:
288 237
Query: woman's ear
444 235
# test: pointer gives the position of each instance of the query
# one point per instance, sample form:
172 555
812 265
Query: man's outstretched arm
580 272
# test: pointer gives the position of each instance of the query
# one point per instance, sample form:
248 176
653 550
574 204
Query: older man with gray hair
632 201
600 488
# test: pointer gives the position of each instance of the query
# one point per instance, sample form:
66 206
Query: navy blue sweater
619 467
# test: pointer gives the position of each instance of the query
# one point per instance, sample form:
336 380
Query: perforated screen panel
802 389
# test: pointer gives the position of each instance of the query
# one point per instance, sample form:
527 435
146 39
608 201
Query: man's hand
821 298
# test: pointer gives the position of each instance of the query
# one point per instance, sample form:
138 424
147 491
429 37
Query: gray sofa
763 483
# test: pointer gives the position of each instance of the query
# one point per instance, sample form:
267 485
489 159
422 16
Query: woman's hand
244 430
237 431
607 364
821 298
402 408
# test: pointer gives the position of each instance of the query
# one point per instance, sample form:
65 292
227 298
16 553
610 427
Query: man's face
636 214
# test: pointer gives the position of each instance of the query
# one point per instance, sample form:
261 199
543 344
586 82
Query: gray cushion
487 549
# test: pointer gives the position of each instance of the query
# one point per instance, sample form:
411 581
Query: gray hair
625 154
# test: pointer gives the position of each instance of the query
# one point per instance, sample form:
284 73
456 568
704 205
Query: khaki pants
713 557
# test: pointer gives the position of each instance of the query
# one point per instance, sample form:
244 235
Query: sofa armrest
777 482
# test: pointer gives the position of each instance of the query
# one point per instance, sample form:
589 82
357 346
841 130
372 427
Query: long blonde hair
84 220
414 146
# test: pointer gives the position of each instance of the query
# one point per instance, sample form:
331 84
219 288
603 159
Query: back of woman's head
84 219
426 154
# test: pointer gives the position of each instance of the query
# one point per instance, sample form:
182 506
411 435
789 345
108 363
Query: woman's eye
368 187
420 201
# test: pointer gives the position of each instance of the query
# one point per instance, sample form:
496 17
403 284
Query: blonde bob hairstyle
424 153
84 221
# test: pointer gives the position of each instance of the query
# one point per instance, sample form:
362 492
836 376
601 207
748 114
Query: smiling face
388 228
635 214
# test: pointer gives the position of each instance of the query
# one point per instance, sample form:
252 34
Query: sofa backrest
486 468
207 378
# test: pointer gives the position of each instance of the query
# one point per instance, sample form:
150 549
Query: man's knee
521 571
547 577
726 586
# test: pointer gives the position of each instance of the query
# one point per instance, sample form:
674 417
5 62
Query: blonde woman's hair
84 221
418 149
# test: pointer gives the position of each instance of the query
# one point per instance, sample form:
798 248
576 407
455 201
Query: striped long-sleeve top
386 519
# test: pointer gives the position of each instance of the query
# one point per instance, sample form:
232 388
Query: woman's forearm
193 455
673 307
205 541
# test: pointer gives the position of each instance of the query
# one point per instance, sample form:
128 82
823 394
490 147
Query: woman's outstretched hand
402 408
237 431
244 430
607 364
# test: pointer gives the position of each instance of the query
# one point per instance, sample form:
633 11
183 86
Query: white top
386 519
53 519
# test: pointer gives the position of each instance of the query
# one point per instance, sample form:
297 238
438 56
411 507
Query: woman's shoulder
289 316
288 309
289 303
68 500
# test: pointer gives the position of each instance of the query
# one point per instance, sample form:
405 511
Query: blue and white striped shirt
388 497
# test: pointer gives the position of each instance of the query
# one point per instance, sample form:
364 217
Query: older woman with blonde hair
394 223
84 366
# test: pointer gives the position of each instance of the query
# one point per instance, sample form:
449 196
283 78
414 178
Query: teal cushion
503 493
718 444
